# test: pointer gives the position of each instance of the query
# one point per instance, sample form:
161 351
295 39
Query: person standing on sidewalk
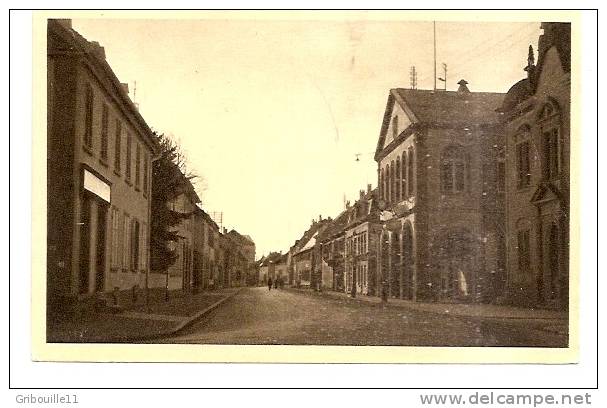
270 283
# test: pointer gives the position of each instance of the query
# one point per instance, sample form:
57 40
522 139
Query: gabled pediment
397 118
546 191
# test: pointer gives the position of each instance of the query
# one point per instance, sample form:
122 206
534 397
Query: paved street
259 316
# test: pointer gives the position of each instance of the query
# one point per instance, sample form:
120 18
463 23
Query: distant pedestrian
276 283
269 283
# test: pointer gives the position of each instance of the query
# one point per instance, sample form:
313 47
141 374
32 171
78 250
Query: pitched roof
441 109
308 240
450 108
335 227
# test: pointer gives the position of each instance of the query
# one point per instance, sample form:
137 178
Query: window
128 157
137 166
134 245
551 140
524 256
143 256
453 170
522 164
501 176
104 125
382 188
552 166
145 175
88 117
398 180
411 172
404 187
117 146
115 254
125 242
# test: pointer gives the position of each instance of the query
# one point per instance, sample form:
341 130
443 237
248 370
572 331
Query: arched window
523 152
404 190
453 170
392 184
411 172
387 183
382 190
398 180
551 141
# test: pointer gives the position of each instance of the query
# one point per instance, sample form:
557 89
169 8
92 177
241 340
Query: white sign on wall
97 186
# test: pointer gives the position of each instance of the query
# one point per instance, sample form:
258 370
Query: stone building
361 236
536 114
332 241
99 151
180 274
439 170
246 249
205 234
305 255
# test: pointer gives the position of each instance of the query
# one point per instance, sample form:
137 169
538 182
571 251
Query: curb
408 307
184 324
202 313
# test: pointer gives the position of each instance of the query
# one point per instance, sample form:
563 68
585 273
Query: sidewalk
488 311
139 322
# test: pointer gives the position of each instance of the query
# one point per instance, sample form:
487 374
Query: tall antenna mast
413 77
434 29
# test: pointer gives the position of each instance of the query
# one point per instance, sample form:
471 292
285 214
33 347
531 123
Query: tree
169 178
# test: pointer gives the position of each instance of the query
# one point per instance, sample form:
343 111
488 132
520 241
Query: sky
272 113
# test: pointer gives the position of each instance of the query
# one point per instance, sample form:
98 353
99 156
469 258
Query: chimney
66 22
347 204
125 87
463 89
368 188
361 194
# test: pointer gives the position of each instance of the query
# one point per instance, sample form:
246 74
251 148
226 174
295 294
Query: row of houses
99 181
472 196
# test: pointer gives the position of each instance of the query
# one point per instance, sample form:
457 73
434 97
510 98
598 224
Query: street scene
308 182
292 317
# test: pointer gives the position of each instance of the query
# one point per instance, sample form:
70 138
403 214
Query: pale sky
272 113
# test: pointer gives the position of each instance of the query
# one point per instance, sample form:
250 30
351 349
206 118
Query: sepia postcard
306 186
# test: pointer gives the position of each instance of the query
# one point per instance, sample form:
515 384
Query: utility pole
434 29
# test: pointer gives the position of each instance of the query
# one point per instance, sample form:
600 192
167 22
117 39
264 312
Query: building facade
180 275
361 236
100 152
441 197
536 114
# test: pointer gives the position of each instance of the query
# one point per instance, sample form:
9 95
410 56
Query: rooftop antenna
135 94
444 78
434 29
413 77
